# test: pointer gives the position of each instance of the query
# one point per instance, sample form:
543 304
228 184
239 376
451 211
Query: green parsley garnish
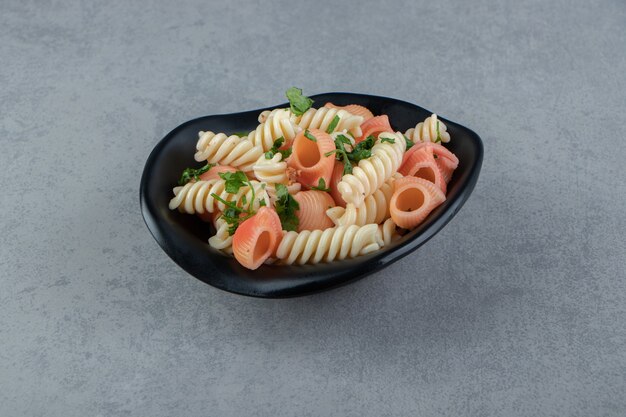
286 207
333 124
309 136
321 186
274 149
234 181
362 150
341 154
234 215
438 134
390 140
297 102
241 134
192 173
409 142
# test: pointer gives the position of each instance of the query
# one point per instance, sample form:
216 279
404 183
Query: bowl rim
383 259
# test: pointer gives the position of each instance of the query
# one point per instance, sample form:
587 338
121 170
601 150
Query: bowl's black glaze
184 237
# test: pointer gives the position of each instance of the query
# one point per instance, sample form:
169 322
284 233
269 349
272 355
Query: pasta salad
312 185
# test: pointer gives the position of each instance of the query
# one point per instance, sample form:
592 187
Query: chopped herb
297 102
438 134
285 153
341 154
390 140
192 173
234 215
241 134
362 150
309 136
333 124
274 149
286 207
409 143
262 203
234 181
321 186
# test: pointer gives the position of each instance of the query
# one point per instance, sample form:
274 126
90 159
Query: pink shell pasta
422 164
413 199
334 180
375 125
445 160
312 212
257 238
309 157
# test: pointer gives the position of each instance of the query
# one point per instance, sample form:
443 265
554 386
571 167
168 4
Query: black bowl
184 237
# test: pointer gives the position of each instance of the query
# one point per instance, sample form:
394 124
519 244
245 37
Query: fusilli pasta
386 233
279 124
429 131
372 172
196 197
222 240
322 118
226 150
375 208
336 243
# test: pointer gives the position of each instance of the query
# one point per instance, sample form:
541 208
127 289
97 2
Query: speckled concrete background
517 308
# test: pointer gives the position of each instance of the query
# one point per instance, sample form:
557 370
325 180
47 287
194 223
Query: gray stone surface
517 308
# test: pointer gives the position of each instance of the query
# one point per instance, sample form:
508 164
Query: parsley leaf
241 134
438 134
390 140
192 173
362 150
409 142
309 136
341 154
333 124
274 149
321 186
234 215
298 103
286 207
234 181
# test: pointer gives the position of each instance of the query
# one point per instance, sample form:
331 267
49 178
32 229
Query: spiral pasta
271 171
375 208
196 197
372 172
336 243
222 240
387 233
265 114
218 148
322 118
278 124
428 131
275 171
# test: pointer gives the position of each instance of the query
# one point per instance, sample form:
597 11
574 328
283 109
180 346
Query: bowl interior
184 237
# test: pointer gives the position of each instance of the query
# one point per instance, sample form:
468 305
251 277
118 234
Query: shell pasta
316 184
